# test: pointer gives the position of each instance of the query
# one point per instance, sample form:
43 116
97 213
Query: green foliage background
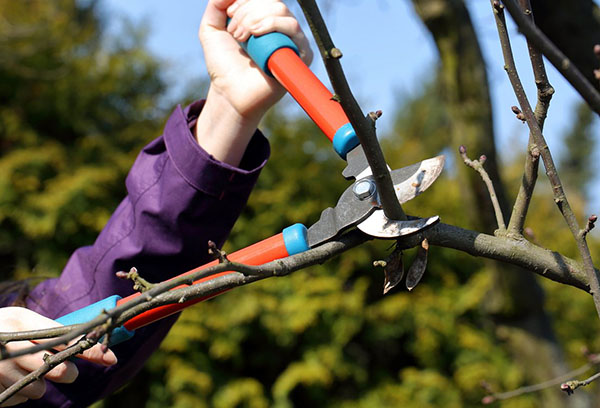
76 106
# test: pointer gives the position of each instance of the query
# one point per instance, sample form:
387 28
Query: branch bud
335 53
375 115
597 50
529 233
591 223
567 387
214 251
518 112
462 149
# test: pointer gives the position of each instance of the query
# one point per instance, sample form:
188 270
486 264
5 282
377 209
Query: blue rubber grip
344 140
90 312
295 238
261 48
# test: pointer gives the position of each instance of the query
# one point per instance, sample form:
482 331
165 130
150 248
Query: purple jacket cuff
203 171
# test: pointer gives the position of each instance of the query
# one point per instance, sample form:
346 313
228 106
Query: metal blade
380 226
350 210
357 164
411 181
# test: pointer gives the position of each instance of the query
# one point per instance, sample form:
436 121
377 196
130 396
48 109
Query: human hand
240 93
232 73
13 319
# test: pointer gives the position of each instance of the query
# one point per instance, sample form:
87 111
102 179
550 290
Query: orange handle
316 100
277 55
308 91
257 254
292 240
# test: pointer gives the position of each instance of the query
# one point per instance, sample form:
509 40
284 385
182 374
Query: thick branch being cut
546 263
363 125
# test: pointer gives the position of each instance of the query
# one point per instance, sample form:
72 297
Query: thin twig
6 337
363 125
139 284
554 55
50 361
488 399
570 386
477 165
591 223
544 89
560 197
530 172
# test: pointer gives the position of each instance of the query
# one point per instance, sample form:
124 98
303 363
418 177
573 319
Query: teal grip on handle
261 48
344 140
295 238
87 313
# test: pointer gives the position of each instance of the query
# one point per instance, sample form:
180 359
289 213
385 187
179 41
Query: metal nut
364 189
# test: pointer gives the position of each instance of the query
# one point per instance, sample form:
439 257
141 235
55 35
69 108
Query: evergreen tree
75 108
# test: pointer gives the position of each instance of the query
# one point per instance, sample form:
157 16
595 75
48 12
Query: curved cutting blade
422 175
411 181
408 182
380 226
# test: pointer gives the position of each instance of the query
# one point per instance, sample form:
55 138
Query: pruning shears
358 206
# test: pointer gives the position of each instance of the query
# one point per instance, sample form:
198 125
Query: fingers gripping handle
291 241
277 55
261 48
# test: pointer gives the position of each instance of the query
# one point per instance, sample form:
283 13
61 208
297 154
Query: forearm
222 131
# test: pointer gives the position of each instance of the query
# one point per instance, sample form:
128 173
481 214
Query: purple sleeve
179 197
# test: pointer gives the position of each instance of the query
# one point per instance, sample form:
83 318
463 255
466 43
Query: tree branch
546 263
500 396
570 386
530 172
50 361
477 165
560 197
554 55
363 125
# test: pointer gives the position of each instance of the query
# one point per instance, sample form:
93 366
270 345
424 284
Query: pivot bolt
364 189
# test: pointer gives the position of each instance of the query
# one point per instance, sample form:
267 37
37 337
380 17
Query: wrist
222 131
